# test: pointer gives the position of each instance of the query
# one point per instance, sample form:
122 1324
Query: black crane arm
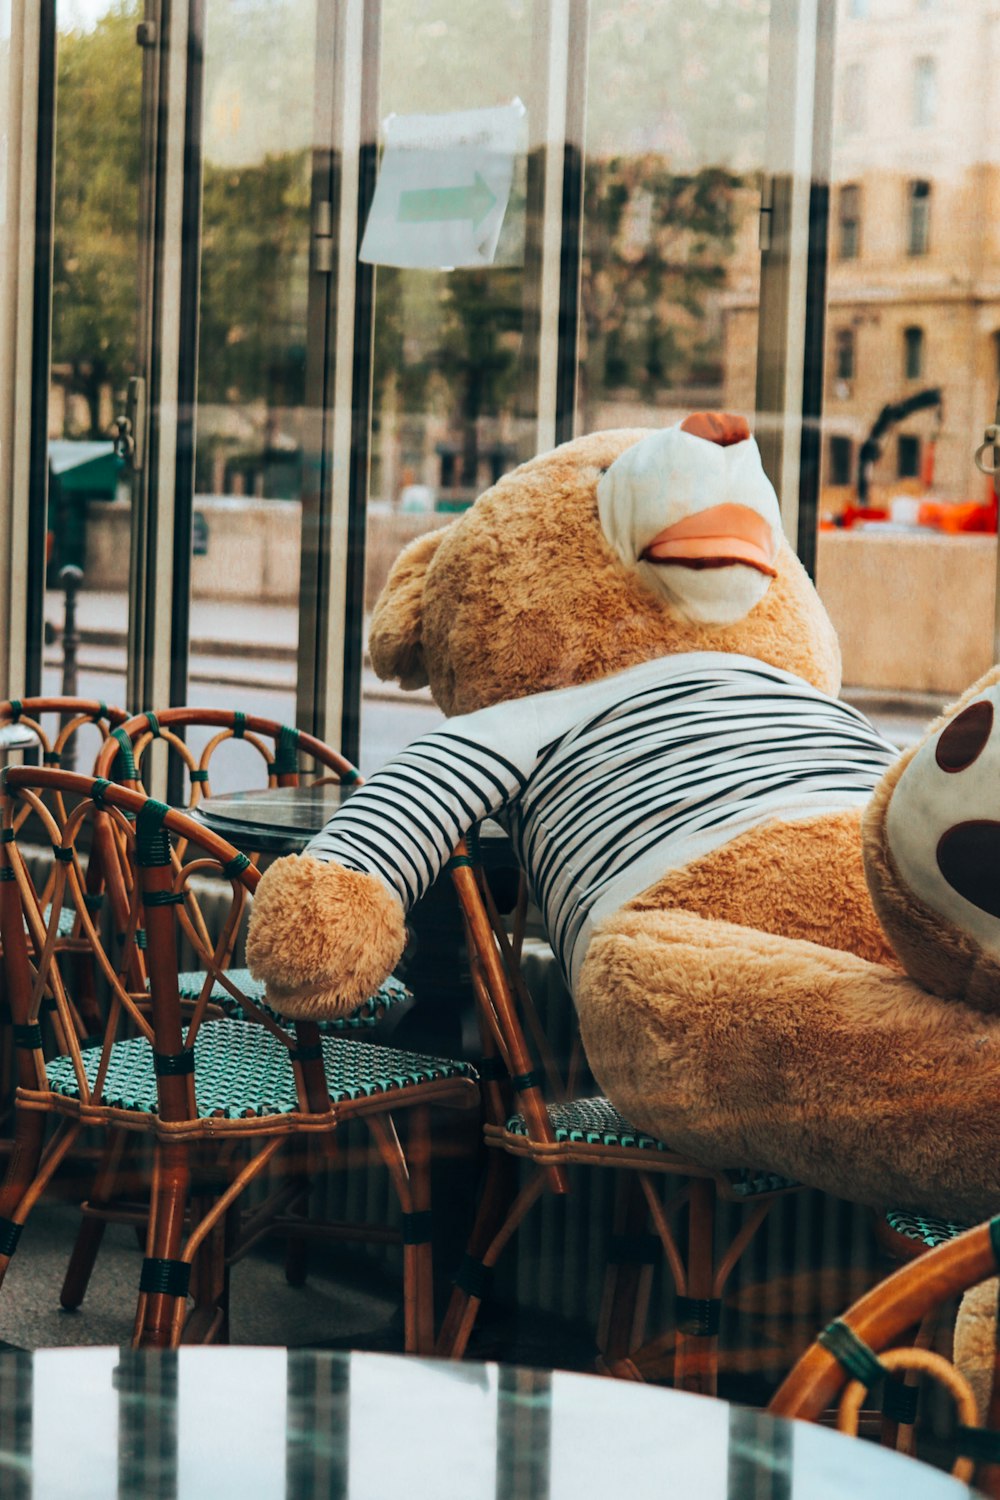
891 413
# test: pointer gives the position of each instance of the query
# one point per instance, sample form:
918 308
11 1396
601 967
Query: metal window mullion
553 219
785 248
25 316
331 602
810 455
152 583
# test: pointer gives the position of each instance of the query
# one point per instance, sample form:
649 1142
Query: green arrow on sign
435 205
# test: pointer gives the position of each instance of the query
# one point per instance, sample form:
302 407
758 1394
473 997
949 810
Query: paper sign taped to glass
443 188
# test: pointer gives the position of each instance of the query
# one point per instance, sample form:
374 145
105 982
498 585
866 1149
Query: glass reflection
94 332
253 432
912 295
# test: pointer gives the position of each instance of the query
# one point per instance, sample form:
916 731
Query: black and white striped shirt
605 787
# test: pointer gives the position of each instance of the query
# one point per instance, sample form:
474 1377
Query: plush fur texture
744 1048
943 958
791 879
322 937
523 594
975 1341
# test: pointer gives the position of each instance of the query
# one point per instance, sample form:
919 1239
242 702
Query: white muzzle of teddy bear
697 521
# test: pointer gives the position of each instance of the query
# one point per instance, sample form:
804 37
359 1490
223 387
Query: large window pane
451 411
94 332
913 520
252 446
674 145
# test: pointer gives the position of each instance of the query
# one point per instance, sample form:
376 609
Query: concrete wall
253 548
913 612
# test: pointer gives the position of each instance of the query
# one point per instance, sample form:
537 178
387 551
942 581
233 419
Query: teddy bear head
612 550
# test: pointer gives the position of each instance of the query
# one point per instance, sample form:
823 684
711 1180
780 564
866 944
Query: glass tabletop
282 819
17 737
245 1423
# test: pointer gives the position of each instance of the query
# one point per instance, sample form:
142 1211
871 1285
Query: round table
17 737
252 1423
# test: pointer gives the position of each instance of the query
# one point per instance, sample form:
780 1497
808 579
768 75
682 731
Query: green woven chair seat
241 1069
389 995
596 1122
67 918
750 1182
924 1228
593 1122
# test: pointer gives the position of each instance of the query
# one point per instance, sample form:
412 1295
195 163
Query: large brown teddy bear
783 939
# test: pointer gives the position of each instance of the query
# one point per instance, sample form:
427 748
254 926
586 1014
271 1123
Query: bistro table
17 737
277 1424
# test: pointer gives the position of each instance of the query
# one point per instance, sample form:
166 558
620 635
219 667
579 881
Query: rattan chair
273 749
553 1132
272 754
871 1346
218 1100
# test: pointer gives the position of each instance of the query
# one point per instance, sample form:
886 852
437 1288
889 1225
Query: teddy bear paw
322 938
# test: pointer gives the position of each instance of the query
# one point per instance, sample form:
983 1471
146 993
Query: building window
843 354
924 91
849 221
913 353
857 10
919 213
908 457
841 460
852 99
996 353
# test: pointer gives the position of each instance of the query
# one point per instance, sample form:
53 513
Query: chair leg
208 1321
697 1358
158 1300
419 1290
92 1227
22 1167
629 1275
411 1179
470 1288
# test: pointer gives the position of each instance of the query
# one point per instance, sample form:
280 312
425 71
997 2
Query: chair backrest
517 1061
70 716
276 752
158 912
280 747
858 1348
60 724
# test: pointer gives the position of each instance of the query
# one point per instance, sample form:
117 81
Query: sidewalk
232 643
256 644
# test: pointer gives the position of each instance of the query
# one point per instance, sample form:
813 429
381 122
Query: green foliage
97 206
676 96
255 248
655 247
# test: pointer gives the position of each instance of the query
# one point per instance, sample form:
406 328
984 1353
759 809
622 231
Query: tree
94 287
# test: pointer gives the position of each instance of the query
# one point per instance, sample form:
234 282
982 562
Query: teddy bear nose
968 856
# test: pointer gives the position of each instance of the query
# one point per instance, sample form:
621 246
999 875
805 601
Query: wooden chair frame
279 747
507 1018
74 714
874 1337
183 1233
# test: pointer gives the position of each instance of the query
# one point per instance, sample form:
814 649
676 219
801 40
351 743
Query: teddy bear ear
395 638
